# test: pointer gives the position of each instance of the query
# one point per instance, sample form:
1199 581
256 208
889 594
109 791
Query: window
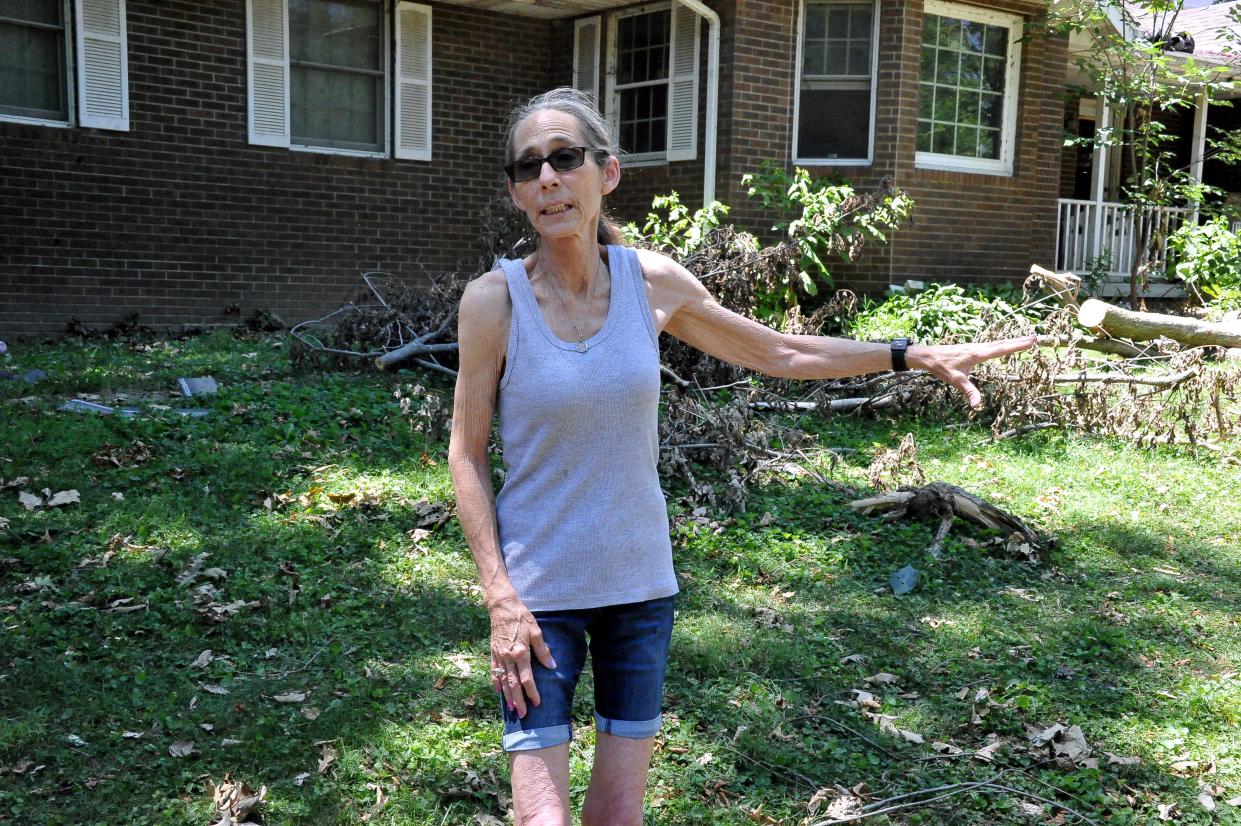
835 83
319 80
36 78
653 81
33 69
336 72
967 91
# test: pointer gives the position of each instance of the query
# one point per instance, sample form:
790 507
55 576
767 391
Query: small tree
1142 74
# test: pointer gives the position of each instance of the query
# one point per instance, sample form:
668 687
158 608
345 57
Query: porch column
1198 148
1098 180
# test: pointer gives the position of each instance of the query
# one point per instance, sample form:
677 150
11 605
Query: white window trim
874 77
1012 77
613 96
385 128
70 79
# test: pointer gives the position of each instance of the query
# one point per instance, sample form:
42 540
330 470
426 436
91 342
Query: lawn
273 593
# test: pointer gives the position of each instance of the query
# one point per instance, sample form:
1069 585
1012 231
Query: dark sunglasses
562 160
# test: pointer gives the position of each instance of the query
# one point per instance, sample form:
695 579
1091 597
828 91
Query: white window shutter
413 79
683 85
267 44
103 64
586 56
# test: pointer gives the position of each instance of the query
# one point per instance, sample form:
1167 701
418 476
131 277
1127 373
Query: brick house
194 162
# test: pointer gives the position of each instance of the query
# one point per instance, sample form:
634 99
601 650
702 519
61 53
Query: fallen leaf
462 662
705 758
181 748
911 736
326 758
883 678
118 496
76 741
945 748
64 497
236 801
228 741
1206 800
29 500
855 659
310 712
987 753
290 697
1113 759
204 659
213 688
1167 811
301 778
1030 809
206 726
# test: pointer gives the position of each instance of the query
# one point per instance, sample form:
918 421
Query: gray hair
596 134
595 130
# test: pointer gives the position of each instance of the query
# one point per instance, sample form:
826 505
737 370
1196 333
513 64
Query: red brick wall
180 218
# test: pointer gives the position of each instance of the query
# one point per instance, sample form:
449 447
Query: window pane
926 100
859 58
967 108
991 110
859 23
971 71
335 32
837 58
36 11
997 41
945 104
946 65
813 58
989 144
331 108
32 72
642 53
942 138
926 71
949 33
643 126
993 74
838 22
924 136
816 22
834 123
967 141
930 29
972 35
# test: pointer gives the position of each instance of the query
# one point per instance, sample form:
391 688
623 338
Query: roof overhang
542 9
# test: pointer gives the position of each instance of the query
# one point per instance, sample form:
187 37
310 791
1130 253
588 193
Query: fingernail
553 659
510 705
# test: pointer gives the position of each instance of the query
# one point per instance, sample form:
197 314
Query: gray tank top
582 519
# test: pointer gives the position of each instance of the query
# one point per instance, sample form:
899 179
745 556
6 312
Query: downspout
713 96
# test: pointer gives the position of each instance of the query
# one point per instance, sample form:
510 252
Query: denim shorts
628 647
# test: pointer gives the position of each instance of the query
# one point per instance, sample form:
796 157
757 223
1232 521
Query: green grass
1129 630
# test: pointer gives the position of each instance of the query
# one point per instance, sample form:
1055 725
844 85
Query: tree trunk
1117 321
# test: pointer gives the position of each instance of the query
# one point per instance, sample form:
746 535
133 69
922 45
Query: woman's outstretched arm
684 308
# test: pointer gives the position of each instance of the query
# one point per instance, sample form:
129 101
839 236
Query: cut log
1111 346
1117 321
1062 285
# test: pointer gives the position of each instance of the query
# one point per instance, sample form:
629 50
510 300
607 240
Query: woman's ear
611 174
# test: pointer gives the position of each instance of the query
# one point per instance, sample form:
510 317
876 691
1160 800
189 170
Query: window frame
613 92
384 116
1002 166
798 158
68 79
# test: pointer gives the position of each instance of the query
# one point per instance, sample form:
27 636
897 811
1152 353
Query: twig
1032 796
776 769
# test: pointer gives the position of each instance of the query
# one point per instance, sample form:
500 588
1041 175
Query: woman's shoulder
662 273
485 302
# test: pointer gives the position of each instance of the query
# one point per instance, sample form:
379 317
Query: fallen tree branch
1110 346
1138 326
943 501
1167 380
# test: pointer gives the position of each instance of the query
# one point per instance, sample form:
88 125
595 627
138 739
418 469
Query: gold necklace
581 345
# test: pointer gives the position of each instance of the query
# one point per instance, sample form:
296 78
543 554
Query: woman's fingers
541 649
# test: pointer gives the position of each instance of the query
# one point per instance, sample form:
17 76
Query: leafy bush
938 313
677 232
827 221
1208 258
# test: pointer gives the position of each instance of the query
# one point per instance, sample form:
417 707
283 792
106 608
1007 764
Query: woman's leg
617 781
541 786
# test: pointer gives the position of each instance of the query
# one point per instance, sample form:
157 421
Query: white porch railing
1087 230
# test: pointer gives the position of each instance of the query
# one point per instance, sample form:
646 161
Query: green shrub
938 313
827 221
1208 258
676 232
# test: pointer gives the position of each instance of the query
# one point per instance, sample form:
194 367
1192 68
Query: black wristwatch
899 346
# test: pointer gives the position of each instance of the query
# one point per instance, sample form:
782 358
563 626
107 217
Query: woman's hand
952 363
514 635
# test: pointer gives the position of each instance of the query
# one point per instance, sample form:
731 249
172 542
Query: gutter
713 96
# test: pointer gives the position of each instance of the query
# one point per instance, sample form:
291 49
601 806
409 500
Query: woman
576 545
